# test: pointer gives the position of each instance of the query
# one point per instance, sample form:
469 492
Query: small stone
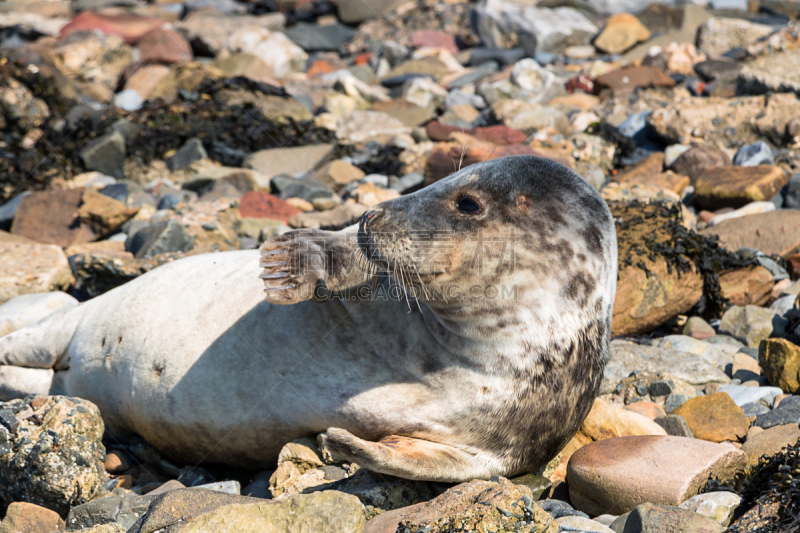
754 154
291 161
663 519
30 518
769 441
649 410
161 237
339 217
742 395
735 187
316 38
674 425
305 205
620 33
780 360
719 506
164 46
714 418
337 174
751 324
106 154
698 328
615 475
363 126
579 523
117 462
625 80
787 412
605 421
256 204
305 187
191 151
695 160
128 100
662 387
226 487
673 401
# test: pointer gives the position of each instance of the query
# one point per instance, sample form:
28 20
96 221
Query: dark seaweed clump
773 483
682 249
373 158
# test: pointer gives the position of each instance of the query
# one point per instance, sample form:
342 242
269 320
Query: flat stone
257 204
674 425
787 412
714 418
363 126
625 80
208 31
751 324
191 151
718 506
339 217
30 518
649 410
753 208
158 238
744 395
605 421
718 35
621 32
27 309
651 518
770 441
754 154
304 187
9 210
719 354
615 475
32 268
771 73
164 45
731 186
697 328
50 217
316 38
694 161
772 233
103 214
106 154
294 160
580 523
780 360
751 285
408 113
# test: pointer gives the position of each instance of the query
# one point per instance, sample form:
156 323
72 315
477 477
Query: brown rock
408 113
387 522
649 518
248 65
620 33
369 194
117 462
129 27
649 171
167 46
773 233
435 39
694 161
734 186
750 285
745 367
714 418
650 410
51 217
103 214
439 163
770 441
145 80
338 217
615 475
606 421
258 204
426 66
24 517
27 268
626 79
780 360
498 134
793 265
481 505
698 328
338 173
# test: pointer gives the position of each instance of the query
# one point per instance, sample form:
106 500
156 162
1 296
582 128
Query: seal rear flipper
406 457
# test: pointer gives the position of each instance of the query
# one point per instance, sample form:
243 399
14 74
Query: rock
117 462
316 38
50 217
649 518
698 328
769 232
605 421
304 513
792 200
503 24
579 523
673 401
625 80
166 46
110 510
627 357
730 186
718 35
787 412
9 210
715 418
649 410
103 214
753 208
751 324
29 518
53 457
192 150
742 395
339 217
275 49
20 107
94 61
770 73
694 161
249 65
294 160
770 441
620 33
377 492
158 238
490 505
306 188
754 154
257 204
354 11
780 360
106 154
208 31
751 285
616 475
718 506
745 368
363 126
27 309
32 268
435 39
674 425
409 114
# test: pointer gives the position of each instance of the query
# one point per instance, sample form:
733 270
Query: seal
459 332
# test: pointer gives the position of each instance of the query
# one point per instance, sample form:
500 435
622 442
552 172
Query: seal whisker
272 264
276 275
281 288
273 252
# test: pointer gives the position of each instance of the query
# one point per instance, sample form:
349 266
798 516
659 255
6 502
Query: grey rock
634 127
128 129
191 151
715 69
304 187
409 183
661 387
168 201
121 191
792 200
505 25
558 508
648 517
385 493
226 7
783 306
161 237
475 75
504 57
228 487
459 97
674 401
674 425
259 487
752 324
121 510
744 395
777 271
314 38
9 210
718 35
354 11
754 409
754 154
787 412
106 154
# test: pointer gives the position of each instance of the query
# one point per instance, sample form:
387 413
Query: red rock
129 27
625 80
257 204
51 217
167 46
499 134
320 67
362 59
580 83
435 39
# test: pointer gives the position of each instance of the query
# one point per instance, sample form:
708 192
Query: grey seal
459 332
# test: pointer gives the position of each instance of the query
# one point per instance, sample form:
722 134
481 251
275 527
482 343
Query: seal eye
467 205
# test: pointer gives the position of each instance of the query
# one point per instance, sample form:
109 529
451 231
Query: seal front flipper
311 264
407 457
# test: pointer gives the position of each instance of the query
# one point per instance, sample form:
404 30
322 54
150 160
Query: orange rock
714 418
651 410
117 462
750 285
732 186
